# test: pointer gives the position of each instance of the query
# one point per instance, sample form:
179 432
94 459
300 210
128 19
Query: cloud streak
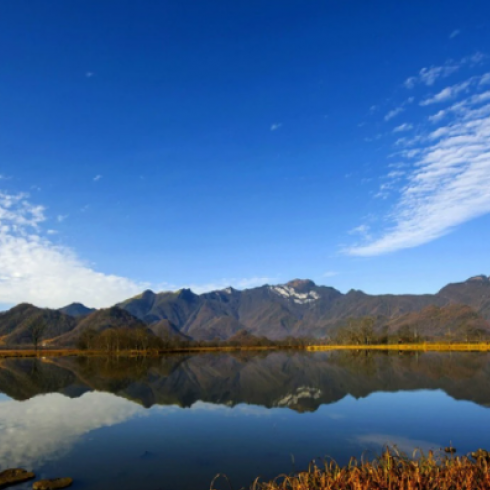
398 110
403 127
429 76
453 91
447 181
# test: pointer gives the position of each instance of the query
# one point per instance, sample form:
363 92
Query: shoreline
423 347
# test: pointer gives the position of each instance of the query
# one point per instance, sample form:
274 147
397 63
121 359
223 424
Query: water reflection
45 427
175 422
300 381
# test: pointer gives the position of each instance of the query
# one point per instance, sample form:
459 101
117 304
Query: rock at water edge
52 484
14 475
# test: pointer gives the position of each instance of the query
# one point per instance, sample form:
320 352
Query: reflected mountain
300 381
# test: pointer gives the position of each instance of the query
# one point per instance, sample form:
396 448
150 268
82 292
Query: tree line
366 331
142 339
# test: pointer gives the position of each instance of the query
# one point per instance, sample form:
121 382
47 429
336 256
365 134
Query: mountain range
299 308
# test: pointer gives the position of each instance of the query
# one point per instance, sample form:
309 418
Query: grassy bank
391 471
425 347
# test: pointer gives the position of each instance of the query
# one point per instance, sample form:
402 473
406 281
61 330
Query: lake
175 422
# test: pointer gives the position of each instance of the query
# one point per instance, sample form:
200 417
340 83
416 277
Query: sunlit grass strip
427 346
391 471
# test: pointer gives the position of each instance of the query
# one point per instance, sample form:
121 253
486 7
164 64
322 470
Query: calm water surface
175 422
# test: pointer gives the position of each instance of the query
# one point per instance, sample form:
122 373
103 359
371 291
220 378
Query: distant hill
76 310
101 320
15 324
298 308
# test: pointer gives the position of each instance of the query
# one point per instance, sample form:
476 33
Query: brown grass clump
391 471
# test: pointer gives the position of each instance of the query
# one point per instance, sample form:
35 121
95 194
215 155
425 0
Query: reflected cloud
229 410
404 444
46 427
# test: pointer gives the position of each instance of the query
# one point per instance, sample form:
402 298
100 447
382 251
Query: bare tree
36 329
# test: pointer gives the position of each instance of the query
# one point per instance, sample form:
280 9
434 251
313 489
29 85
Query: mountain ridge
297 308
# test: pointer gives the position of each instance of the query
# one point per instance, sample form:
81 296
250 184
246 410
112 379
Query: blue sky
166 144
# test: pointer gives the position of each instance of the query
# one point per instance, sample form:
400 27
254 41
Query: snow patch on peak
302 393
289 292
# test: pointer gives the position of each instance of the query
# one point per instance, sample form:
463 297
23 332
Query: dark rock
52 484
13 476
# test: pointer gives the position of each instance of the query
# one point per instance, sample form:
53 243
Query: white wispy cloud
276 126
35 270
459 107
438 116
455 33
97 177
398 110
448 93
61 217
429 76
447 179
362 230
393 113
403 127
485 79
330 274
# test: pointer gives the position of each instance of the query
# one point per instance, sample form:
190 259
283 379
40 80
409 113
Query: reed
392 470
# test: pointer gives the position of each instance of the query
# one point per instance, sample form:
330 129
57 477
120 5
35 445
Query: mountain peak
301 284
185 293
76 310
480 278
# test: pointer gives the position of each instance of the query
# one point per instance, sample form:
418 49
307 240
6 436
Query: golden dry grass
426 346
391 471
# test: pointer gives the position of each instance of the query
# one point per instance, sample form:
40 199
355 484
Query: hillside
16 324
454 321
100 321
